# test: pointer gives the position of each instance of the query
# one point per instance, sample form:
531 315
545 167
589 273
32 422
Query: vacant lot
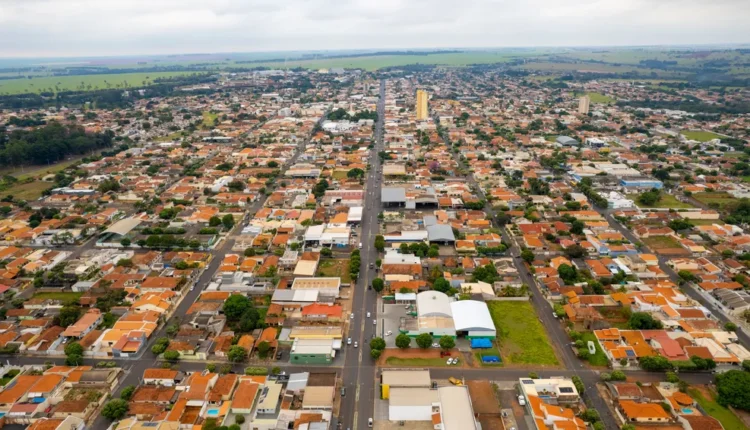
661 242
335 268
83 82
700 135
600 98
28 191
721 199
416 362
598 359
209 118
70 296
667 201
521 335
705 398
483 397
339 174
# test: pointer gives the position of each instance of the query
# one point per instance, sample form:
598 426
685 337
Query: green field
700 135
726 417
520 333
89 82
697 222
720 198
63 296
416 362
208 118
598 359
335 268
600 98
339 174
28 191
667 201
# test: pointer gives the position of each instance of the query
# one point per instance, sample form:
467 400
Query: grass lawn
28 191
661 242
208 118
600 98
339 174
65 296
667 201
706 221
598 359
726 417
719 198
33 171
415 362
520 333
700 135
335 268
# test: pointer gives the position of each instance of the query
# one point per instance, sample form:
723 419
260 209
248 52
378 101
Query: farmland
85 82
521 335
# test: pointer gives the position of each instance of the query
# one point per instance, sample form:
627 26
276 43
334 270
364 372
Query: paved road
569 360
359 368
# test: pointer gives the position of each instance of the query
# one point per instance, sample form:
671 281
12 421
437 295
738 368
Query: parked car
348 341
369 422
521 400
355 344
455 381
449 361
279 355
436 345
343 391
351 316
374 322
368 315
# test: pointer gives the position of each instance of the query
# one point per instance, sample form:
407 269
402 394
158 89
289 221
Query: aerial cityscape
210 220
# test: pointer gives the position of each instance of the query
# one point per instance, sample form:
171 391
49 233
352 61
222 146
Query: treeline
733 108
341 114
354 55
49 144
103 99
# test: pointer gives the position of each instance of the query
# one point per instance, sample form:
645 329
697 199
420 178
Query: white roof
433 304
455 408
123 226
471 315
355 213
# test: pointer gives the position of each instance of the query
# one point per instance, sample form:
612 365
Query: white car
368 315
436 345
351 316
348 341
449 361
455 360
356 345
521 400
374 322
388 333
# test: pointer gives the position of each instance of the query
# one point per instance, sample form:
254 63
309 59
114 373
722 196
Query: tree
576 227
380 243
263 349
378 284
687 276
214 221
578 382
235 306
618 375
590 415
171 355
424 340
567 272
127 392
74 360
68 315
441 284
377 343
643 321
115 409
655 364
160 346
732 389
375 353
237 353
649 198
730 326
272 164
125 241
228 221
355 173
527 255
672 377
447 342
326 252
403 341
73 348
575 251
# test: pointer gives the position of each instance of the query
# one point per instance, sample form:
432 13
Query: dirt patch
416 354
491 422
483 397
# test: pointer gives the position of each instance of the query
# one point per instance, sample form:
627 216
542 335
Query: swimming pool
212 412
687 411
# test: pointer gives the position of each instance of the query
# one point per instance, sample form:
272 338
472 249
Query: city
488 238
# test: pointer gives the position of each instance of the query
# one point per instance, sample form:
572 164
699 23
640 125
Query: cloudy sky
56 28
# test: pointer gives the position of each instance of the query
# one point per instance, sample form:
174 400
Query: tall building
583 105
421 105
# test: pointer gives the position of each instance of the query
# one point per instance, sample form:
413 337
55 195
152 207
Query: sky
70 28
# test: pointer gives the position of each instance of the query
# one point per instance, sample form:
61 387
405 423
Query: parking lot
390 318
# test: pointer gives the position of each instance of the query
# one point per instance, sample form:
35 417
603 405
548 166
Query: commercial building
472 319
422 105
313 351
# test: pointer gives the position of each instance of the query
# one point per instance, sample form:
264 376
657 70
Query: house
643 412
89 321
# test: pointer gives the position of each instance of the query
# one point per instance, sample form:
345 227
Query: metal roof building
391 195
473 317
124 226
433 304
440 233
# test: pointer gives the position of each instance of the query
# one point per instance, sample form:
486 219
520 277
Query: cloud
38 28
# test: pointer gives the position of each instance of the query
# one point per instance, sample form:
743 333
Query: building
552 391
472 319
313 351
583 105
422 105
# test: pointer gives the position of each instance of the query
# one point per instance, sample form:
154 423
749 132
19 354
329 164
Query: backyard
667 201
598 359
335 268
62 296
520 333
705 399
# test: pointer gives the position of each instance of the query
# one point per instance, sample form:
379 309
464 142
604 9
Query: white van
360 245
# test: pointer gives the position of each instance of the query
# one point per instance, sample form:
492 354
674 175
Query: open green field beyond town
83 82
521 335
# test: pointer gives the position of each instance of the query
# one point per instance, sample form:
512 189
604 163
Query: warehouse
472 319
